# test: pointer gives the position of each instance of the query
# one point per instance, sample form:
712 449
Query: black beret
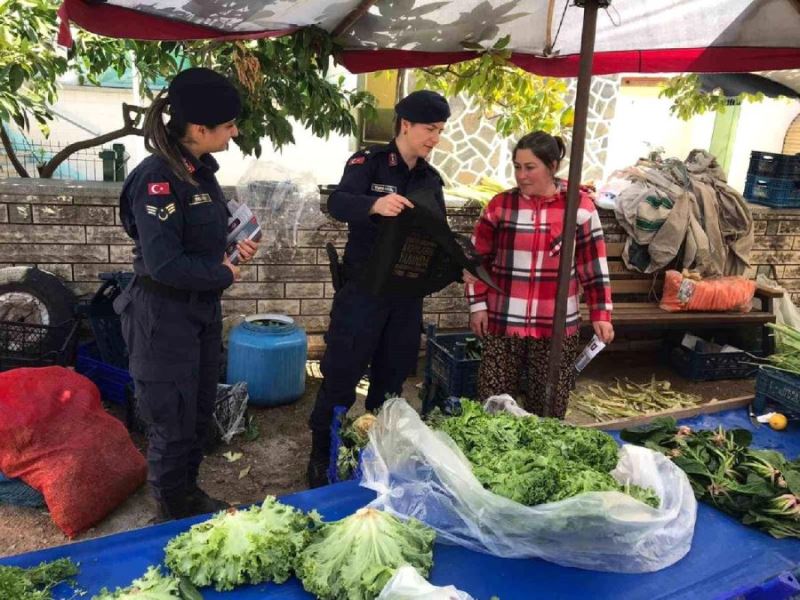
423 106
203 97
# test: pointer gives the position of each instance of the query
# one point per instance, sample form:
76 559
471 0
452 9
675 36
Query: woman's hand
479 322
247 250
468 277
234 269
390 205
604 330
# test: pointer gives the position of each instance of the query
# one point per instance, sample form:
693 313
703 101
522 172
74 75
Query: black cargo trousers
173 339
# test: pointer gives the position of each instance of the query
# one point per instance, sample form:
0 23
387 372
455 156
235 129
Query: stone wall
72 229
470 148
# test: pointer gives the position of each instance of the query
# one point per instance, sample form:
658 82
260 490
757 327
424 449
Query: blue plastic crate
778 388
773 192
781 587
115 384
770 164
448 372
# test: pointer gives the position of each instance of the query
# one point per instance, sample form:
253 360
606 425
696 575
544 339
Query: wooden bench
635 297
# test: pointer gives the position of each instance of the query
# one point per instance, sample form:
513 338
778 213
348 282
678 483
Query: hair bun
562 147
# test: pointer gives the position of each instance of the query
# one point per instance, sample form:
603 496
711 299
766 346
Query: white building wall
88 111
642 121
762 126
641 117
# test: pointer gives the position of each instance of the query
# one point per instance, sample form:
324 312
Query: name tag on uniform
384 189
200 199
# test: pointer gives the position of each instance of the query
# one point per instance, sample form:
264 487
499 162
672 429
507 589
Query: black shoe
201 503
317 473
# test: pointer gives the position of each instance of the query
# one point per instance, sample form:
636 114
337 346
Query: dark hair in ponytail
162 140
547 148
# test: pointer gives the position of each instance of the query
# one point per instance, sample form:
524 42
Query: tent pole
590 8
350 20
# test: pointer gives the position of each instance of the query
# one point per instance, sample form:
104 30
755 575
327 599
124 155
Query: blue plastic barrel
269 352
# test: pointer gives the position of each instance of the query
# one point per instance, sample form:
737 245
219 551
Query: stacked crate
773 180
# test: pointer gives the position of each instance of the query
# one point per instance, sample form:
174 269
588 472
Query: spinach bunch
759 487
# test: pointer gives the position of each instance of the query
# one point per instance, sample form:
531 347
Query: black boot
171 508
201 503
317 472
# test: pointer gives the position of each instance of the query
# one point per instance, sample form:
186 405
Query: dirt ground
274 463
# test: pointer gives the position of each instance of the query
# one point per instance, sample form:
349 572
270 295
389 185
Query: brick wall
72 229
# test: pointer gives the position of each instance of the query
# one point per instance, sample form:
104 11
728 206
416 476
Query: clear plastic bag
230 410
421 473
282 200
408 584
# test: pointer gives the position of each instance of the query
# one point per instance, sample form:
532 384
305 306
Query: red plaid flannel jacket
520 238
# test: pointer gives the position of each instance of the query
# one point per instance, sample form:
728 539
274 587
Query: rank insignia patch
158 189
162 213
392 159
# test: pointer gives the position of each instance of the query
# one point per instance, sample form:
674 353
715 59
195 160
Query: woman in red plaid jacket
519 236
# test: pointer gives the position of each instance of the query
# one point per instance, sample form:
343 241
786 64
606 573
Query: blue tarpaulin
725 554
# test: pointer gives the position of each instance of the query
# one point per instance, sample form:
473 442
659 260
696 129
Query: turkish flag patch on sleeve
358 160
158 189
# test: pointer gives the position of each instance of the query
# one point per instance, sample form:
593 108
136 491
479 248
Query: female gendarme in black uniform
173 208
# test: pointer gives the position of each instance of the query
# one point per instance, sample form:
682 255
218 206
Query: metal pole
590 8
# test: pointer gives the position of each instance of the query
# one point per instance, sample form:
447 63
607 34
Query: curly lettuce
237 547
534 460
352 559
152 586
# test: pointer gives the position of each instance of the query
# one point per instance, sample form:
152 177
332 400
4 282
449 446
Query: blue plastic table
725 554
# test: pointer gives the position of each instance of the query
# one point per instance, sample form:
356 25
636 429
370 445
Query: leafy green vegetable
236 547
354 435
352 559
533 460
760 487
152 586
35 583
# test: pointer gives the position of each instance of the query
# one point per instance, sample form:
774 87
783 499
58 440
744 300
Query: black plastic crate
448 370
105 322
32 345
769 164
711 366
777 388
773 192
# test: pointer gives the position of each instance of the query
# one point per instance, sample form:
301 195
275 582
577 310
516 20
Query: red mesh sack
712 295
56 437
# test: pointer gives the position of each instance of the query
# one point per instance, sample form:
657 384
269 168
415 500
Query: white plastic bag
421 473
504 403
408 584
786 313
610 189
